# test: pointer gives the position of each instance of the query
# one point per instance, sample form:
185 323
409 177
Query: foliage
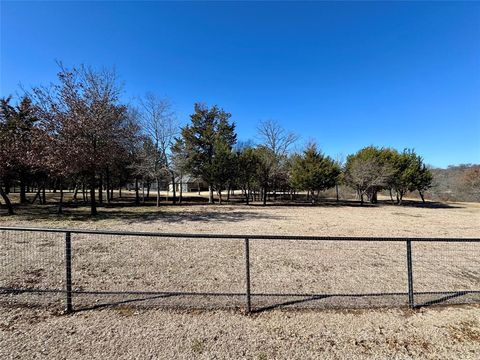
208 142
313 171
368 171
78 132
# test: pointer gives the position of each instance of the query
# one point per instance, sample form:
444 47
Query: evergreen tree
247 167
313 171
208 142
369 171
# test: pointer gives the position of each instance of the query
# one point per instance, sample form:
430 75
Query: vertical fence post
68 270
247 273
411 301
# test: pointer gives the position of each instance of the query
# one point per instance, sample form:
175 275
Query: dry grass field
207 326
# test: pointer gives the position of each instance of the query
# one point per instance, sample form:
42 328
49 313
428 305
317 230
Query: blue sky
345 74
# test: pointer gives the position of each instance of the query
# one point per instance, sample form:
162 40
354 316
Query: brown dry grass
126 332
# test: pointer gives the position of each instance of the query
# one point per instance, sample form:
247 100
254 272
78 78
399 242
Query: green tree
422 178
247 167
409 173
369 171
208 142
314 172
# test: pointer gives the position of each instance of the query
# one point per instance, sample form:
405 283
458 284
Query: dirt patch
468 330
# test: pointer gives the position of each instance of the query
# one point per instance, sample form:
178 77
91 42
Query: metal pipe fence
80 269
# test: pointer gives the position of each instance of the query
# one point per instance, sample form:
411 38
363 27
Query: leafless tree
275 137
277 141
161 127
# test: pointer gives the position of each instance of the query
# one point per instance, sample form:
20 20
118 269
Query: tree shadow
125 208
147 215
357 204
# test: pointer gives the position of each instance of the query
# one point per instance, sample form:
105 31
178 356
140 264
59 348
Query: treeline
77 134
456 183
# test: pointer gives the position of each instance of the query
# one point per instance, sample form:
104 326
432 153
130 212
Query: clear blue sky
346 74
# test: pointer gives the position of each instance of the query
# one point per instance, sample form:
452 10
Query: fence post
411 301
68 270
247 273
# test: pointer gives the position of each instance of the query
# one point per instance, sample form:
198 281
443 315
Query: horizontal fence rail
72 263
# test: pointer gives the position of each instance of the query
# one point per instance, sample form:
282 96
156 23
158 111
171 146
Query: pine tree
208 142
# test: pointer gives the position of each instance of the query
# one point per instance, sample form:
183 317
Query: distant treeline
456 183
76 134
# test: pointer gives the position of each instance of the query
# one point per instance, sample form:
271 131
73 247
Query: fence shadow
261 302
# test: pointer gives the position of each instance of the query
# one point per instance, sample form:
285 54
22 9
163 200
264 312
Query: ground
127 331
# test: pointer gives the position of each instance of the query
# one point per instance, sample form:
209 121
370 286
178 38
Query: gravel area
107 264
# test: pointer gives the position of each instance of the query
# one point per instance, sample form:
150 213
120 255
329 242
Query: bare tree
161 127
471 182
277 141
275 137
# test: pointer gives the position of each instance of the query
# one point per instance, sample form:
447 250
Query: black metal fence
82 269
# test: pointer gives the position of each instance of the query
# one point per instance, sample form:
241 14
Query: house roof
187 178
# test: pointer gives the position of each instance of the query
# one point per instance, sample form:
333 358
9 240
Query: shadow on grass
148 211
261 302
139 214
357 204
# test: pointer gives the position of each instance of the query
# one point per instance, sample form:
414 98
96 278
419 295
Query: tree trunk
7 201
219 197
23 195
93 204
143 192
181 189
100 190
148 190
6 184
158 191
391 196
75 193
336 191
137 195
360 196
37 195
60 203
44 196
120 191
174 200
210 194
422 196
264 195
107 186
